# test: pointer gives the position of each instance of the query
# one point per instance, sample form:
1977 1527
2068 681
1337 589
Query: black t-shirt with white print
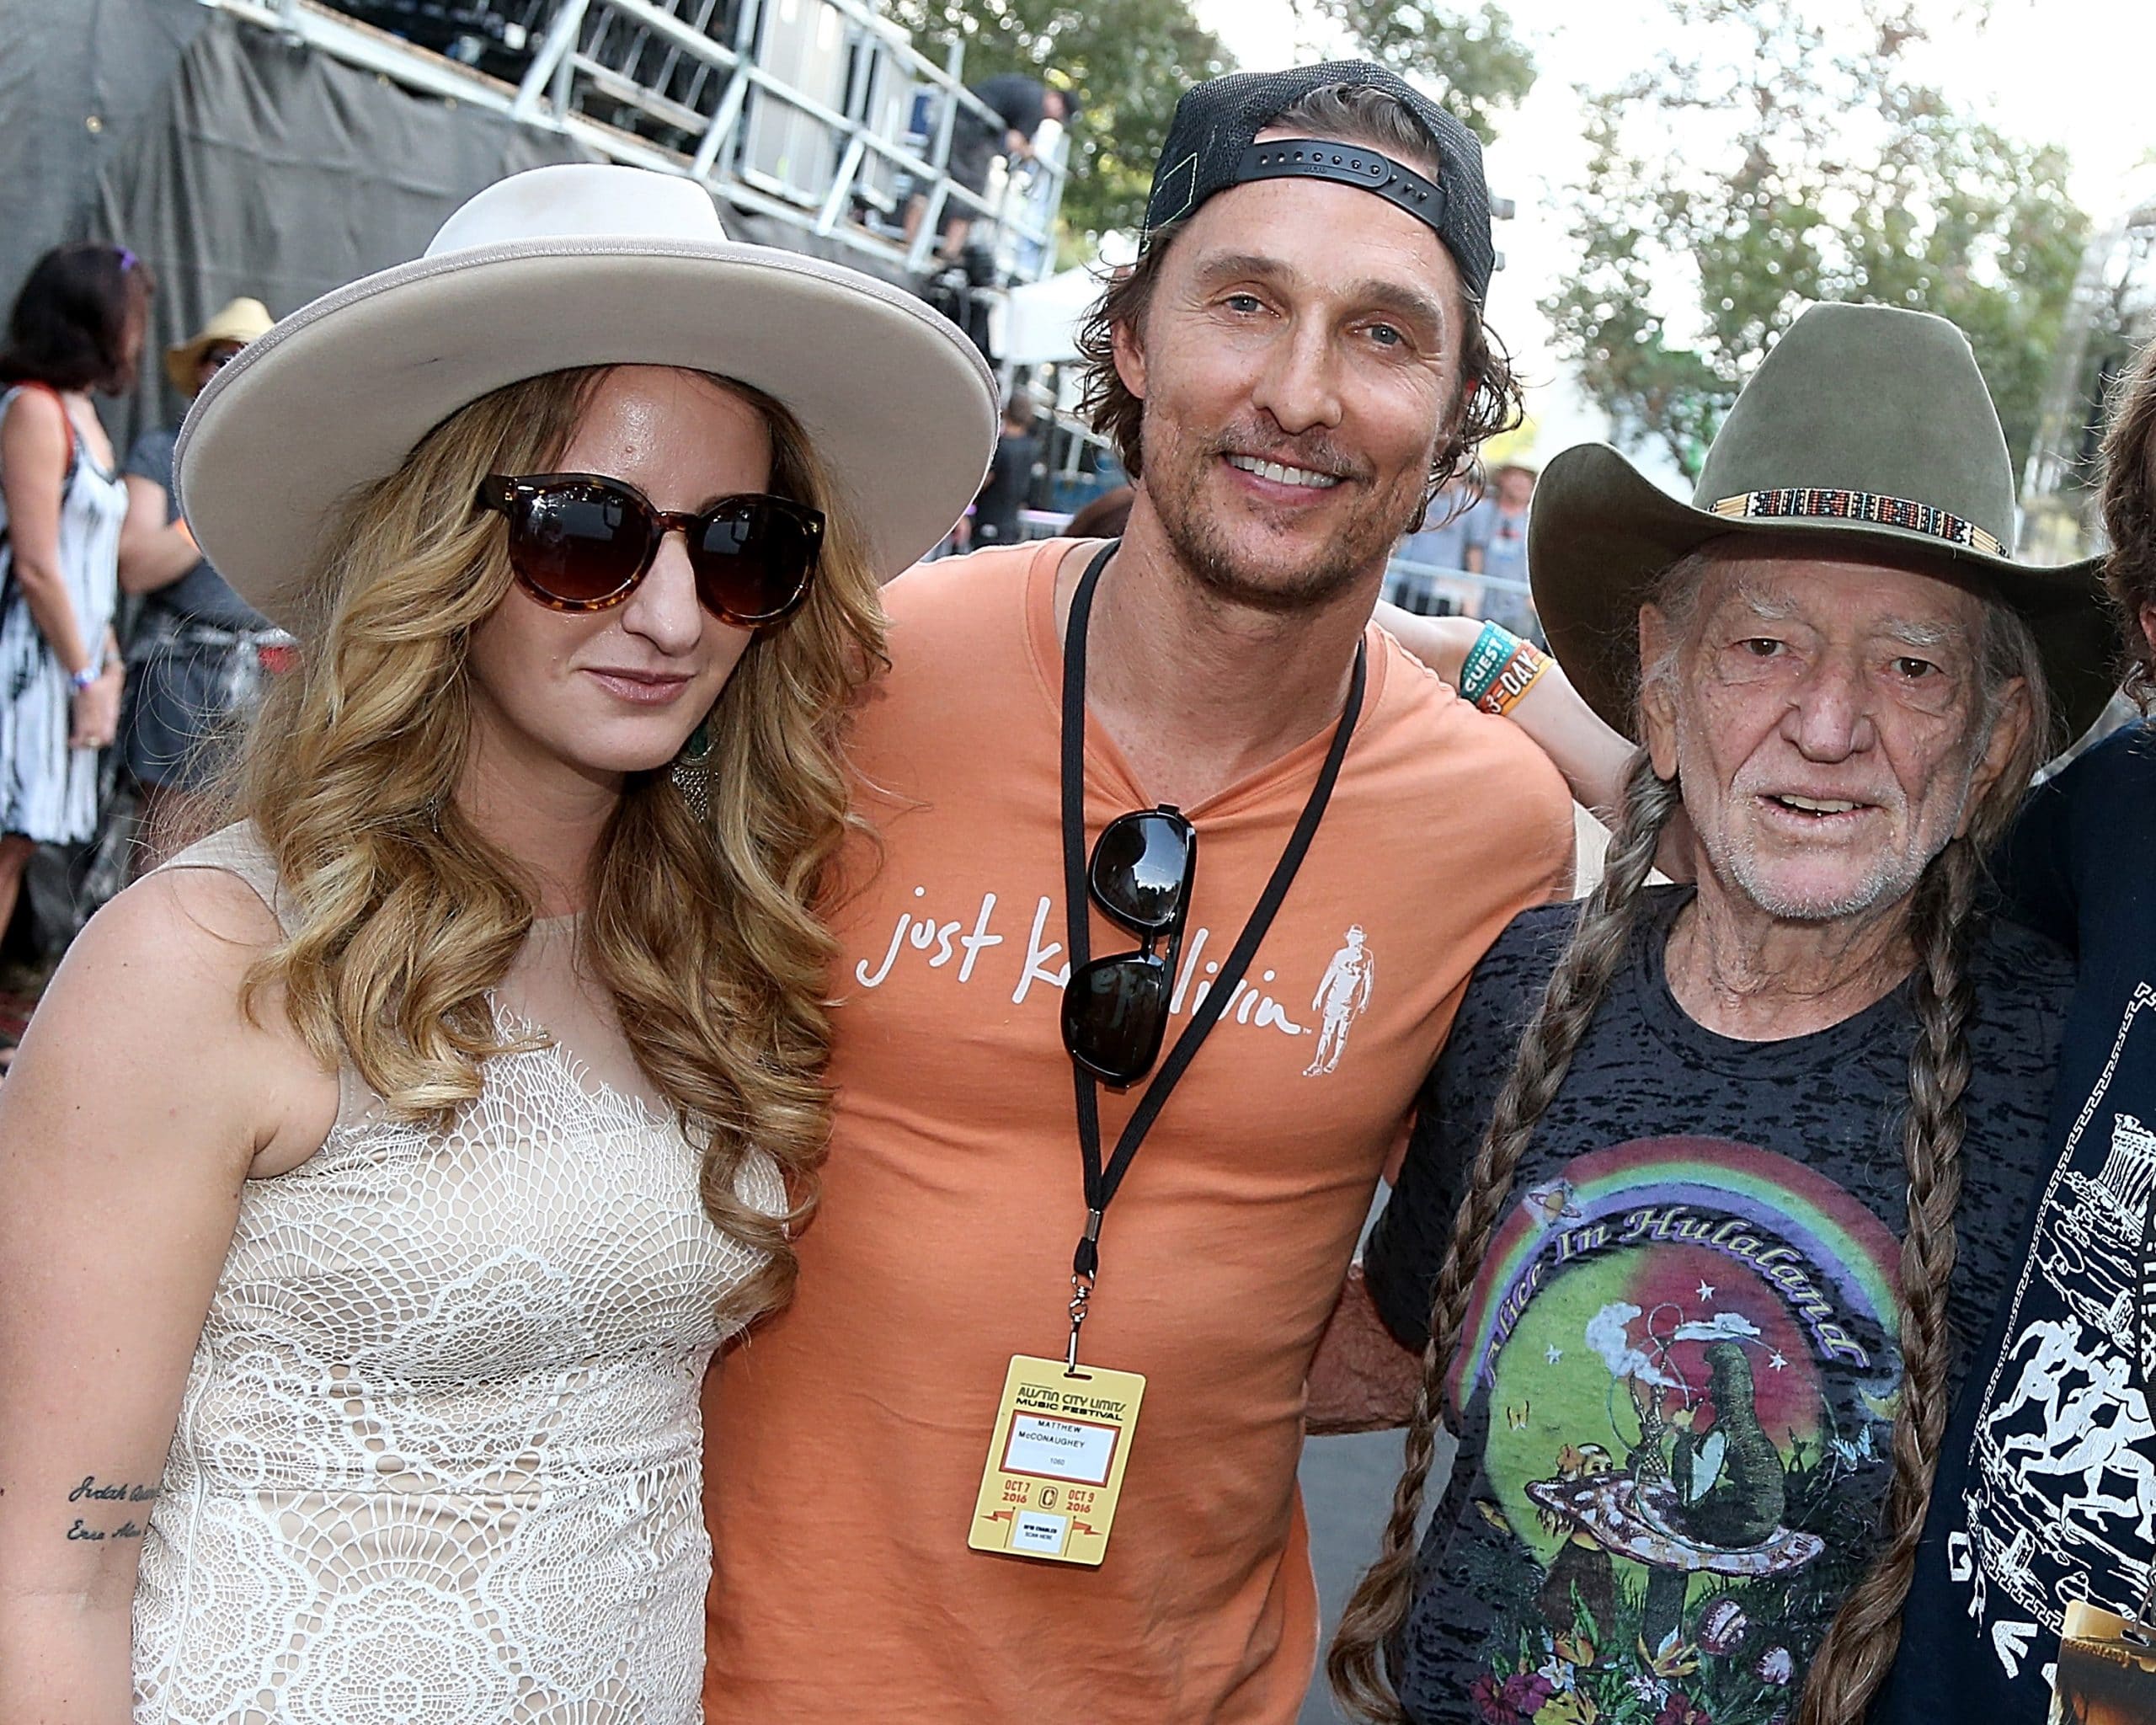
2046 1485
1680 1367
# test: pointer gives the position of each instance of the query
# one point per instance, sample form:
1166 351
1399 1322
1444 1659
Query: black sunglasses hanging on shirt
1115 1011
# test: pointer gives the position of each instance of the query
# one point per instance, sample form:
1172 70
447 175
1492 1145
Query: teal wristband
1485 662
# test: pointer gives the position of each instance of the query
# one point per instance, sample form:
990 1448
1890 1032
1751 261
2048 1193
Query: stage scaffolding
821 115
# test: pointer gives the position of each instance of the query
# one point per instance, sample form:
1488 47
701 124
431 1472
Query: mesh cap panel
1216 122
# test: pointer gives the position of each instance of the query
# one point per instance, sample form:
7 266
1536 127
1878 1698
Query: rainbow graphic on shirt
1684 1353
1775 1221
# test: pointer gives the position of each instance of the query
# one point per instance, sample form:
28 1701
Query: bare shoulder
182 930
35 424
39 408
144 1013
155 974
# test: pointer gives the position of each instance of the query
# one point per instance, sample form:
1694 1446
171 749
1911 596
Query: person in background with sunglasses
76 328
198 654
379 1176
1183 868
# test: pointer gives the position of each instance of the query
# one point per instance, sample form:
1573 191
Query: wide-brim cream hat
235 324
574 265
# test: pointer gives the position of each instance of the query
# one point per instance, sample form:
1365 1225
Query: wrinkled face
608 692
1298 362
1824 720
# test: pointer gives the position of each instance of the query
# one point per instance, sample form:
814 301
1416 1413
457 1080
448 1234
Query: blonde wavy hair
403 916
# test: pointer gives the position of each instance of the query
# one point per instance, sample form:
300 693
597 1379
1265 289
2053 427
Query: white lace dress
439 1458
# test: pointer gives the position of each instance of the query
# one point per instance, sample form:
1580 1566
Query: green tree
1776 159
1475 56
1128 61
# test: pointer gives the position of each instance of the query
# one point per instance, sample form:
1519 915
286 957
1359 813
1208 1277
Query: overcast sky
2077 72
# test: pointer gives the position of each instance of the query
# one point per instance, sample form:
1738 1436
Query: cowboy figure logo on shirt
1343 996
2063 1492
1692 1343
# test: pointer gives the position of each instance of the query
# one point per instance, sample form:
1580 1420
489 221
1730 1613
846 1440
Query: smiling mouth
1817 807
1309 478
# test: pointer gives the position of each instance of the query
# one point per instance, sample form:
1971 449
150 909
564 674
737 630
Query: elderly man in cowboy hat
1713 1186
197 657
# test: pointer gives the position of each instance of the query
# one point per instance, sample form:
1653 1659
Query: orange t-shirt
845 1448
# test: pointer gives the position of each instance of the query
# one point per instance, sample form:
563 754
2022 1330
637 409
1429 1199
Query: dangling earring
691 771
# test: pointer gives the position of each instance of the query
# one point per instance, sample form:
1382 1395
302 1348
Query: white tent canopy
1040 323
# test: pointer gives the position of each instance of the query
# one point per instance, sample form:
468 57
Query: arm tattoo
93 1490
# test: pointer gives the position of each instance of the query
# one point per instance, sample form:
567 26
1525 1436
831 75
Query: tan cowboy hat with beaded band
1867 425
234 324
583 263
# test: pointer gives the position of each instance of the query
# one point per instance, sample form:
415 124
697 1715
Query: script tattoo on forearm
95 1491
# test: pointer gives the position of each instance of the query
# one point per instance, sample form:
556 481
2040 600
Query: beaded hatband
1795 501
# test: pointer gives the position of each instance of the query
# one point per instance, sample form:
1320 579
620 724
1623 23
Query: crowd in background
1470 556
126 657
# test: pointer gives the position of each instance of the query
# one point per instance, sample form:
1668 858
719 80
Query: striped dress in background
48 791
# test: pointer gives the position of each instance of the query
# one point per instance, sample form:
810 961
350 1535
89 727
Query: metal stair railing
652 84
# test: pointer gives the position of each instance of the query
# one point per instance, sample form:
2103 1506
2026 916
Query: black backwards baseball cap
1211 146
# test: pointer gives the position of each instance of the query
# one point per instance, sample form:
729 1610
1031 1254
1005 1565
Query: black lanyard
1101 1183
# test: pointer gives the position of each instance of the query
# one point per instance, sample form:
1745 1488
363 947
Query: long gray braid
1380 1602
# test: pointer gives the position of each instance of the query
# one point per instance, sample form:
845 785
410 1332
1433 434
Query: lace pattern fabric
437 1462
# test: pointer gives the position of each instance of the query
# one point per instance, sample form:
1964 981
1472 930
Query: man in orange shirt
1295 366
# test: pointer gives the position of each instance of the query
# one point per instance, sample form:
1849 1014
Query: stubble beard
1891 879
1735 859
1175 481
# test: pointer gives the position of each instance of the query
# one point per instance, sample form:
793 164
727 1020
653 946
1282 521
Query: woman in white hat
381 1174
199 652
